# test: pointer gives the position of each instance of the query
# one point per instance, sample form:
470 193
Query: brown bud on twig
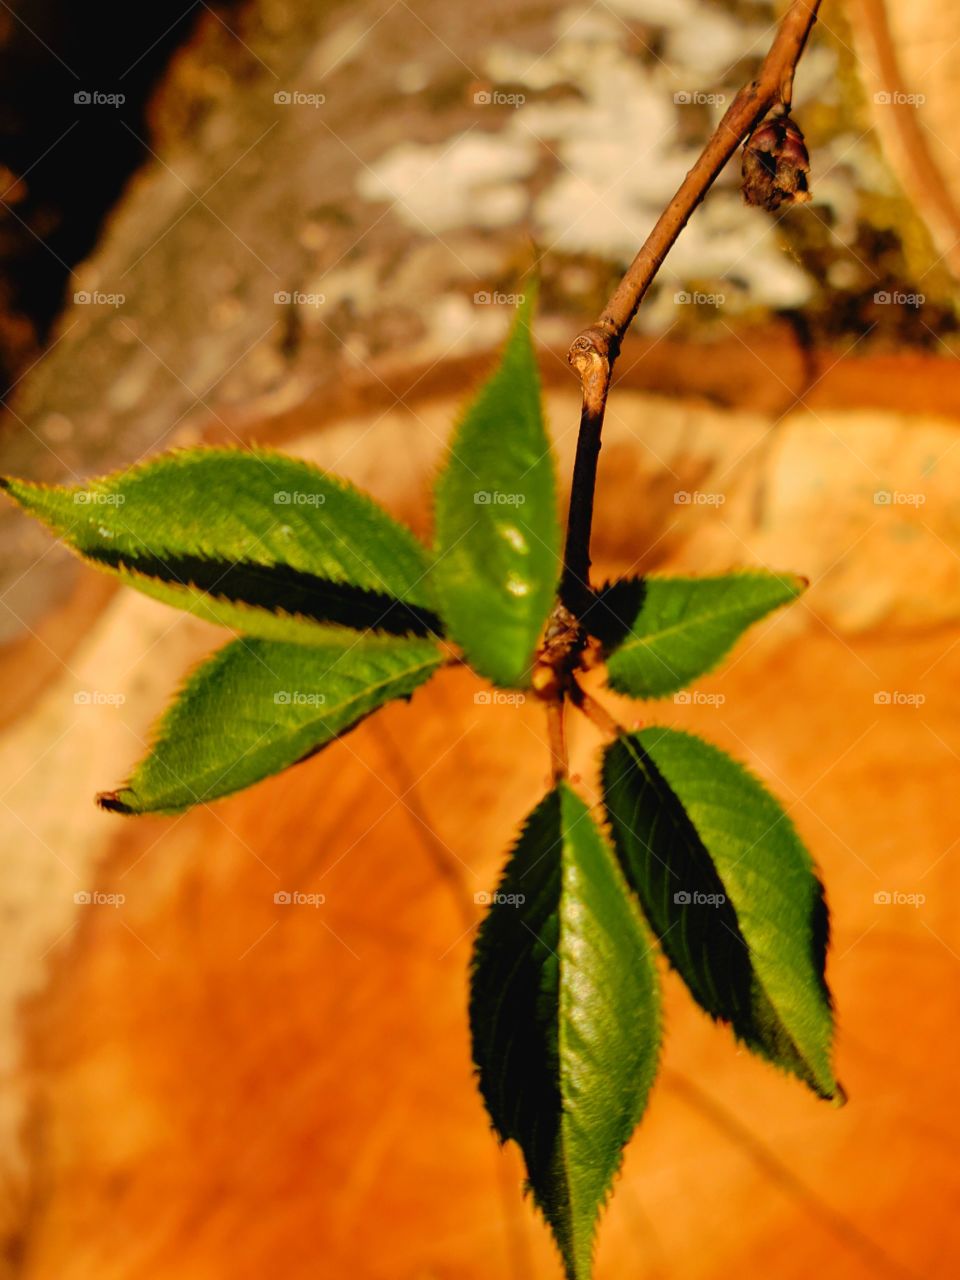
776 165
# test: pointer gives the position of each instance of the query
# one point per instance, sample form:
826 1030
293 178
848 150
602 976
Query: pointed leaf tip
111 802
497 528
731 892
257 707
260 542
661 633
565 1017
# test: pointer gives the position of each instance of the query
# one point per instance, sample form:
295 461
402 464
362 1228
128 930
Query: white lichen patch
712 43
471 180
618 146
662 13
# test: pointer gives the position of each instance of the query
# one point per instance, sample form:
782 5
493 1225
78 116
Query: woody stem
593 352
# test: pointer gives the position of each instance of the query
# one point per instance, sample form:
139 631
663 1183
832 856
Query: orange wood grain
223 1086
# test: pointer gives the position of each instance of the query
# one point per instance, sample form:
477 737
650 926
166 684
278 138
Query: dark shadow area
686 903
68 144
612 615
513 1013
279 587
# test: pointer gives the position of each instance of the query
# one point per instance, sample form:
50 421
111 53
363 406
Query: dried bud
775 165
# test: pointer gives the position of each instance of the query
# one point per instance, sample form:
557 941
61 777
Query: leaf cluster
337 609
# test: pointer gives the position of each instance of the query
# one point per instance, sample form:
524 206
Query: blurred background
306 225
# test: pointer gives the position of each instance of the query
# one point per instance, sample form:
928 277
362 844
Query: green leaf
565 1015
257 541
497 532
730 891
661 633
258 706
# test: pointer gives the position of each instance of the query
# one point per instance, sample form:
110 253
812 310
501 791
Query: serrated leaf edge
596 817
797 581
838 1096
180 456
115 801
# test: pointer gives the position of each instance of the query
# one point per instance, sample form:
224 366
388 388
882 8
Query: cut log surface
203 1082
211 1083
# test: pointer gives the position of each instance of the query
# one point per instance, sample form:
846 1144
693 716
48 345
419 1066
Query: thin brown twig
558 739
594 710
595 350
